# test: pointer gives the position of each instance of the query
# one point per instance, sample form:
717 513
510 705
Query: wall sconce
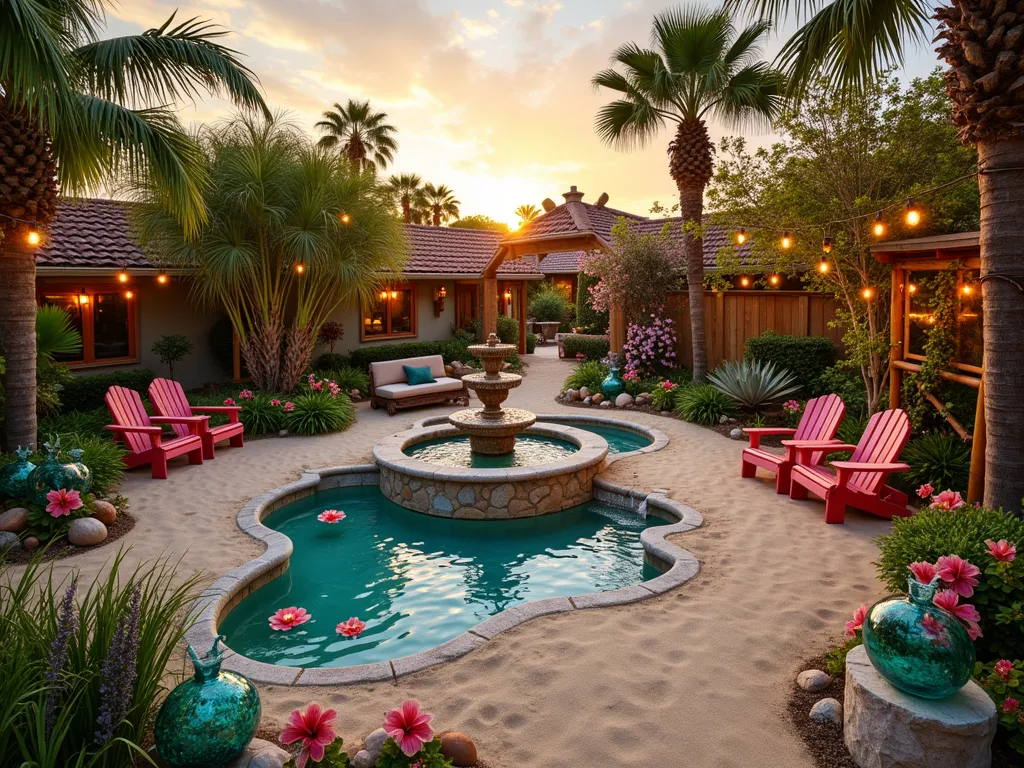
384 295
83 298
439 298
129 295
394 294
508 295
33 237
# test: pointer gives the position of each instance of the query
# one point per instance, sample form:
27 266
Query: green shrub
753 384
806 357
592 347
587 318
531 343
261 417
317 413
846 382
172 348
349 378
52 379
331 362
450 350
85 423
940 460
508 330
635 387
587 374
703 404
1002 685
103 457
999 596
549 305
85 393
663 399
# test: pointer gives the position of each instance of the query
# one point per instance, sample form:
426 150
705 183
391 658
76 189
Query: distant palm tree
527 213
699 67
441 203
408 192
361 135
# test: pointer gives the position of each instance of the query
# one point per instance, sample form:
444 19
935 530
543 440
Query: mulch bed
60 550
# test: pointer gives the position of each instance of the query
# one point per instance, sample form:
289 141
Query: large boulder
886 728
86 532
14 520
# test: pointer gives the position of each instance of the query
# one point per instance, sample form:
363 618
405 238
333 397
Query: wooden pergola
930 254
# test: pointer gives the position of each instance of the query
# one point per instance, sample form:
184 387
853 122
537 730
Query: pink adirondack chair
169 399
144 437
859 482
819 422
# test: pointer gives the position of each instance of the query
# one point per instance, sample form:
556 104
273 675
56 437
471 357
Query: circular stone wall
489 494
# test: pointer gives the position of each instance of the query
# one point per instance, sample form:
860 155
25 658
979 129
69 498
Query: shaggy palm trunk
297 355
18 325
437 215
407 208
356 153
1002 232
261 350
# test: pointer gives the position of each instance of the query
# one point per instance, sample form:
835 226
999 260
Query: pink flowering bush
411 742
1003 681
650 348
947 500
791 412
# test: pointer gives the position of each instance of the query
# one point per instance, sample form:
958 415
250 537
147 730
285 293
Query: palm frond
692 39
628 124
754 97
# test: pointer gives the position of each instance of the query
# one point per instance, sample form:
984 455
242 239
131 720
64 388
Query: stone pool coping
222 595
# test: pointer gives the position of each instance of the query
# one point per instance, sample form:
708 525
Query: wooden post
617 328
522 317
896 340
719 329
489 306
976 484
236 358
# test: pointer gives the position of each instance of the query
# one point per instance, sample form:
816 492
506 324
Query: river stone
572 394
502 495
30 543
955 732
467 497
104 511
827 711
362 759
86 532
260 754
813 680
597 398
442 504
458 748
586 400
624 399
14 520
606 404
736 433
584 392
9 540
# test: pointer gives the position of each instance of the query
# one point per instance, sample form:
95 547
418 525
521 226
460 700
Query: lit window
107 321
387 317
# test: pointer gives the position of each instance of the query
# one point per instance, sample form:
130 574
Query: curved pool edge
678 564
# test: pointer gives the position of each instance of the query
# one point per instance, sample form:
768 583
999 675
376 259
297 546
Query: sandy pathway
697 677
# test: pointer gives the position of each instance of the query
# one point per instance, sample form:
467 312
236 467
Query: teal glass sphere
917 646
53 475
209 720
14 476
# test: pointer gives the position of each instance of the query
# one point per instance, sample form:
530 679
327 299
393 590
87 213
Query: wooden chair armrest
231 410
819 445
196 424
756 433
863 466
143 430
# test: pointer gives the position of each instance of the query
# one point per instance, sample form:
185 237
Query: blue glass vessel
14 476
52 475
917 646
613 386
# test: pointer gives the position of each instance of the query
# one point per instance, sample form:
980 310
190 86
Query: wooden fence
732 317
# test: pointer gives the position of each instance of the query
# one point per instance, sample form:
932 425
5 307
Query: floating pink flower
229 401
1003 668
961 576
925 491
275 402
351 628
289 407
1010 705
286 618
409 727
1001 550
63 502
948 500
923 572
857 622
314 728
246 394
948 600
331 516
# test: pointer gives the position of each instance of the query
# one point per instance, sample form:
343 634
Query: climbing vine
939 346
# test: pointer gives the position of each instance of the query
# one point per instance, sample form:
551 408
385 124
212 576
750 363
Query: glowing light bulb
744 282
741 237
913 214
129 295
867 294
300 268
823 265
912 288
83 298
394 294
345 218
774 279
967 290
826 245
879 226
33 237
161 278
786 241
383 295
122 276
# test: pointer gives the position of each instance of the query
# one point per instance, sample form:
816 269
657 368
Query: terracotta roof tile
454 250
90 233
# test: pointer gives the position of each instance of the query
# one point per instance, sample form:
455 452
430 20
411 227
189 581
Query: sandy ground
697 677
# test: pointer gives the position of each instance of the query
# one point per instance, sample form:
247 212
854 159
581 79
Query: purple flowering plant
650 348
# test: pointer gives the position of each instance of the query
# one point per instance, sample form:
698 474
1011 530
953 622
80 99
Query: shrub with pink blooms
312 730
1003 680
650 347
411 741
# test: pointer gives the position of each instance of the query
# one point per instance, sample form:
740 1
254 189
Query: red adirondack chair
859 482
145 439
169 399
819 422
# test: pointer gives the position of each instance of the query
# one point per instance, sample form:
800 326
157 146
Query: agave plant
753 384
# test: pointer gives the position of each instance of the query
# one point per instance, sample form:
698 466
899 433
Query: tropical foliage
527 213
478 221
440 203
703 404
753 384
549 305
359 135
407 191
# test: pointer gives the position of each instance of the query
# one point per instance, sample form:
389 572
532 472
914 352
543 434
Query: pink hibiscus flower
857 622
286 618
63 502
409 727
948 600
351 628
1001 550
1003 668
331 516
925 491
289 407
229 401
275 402
948 500
961 576
1010 705
973 630
923 572
314 728
246 394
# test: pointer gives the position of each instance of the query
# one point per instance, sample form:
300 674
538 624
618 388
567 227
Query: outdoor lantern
83 298
967 290
774 279
913 214
823 265
394 294
744 282
867 294
122 276
439 301
508 295
384 295
300 268
345 219
741 237
826 245
786 241
33 237
879 226
442 292
912 287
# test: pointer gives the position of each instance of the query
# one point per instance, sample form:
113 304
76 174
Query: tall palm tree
407 190
699 67
850 41
527 213
363 136
76 110
441 203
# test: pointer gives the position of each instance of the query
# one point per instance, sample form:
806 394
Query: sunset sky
491 97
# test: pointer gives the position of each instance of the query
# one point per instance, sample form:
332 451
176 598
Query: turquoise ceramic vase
52 475
14 476
917 646
210 719
613 386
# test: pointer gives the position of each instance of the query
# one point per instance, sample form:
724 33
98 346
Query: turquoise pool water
418 581
530 451
619 440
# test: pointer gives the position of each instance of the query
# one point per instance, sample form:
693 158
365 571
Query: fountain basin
498 493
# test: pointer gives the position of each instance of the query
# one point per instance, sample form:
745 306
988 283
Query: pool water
419 581
619 440
530 451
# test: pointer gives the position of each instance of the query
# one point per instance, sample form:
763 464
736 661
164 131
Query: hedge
85 393
586 316
593 347
807 357
331 362
531 343
450 350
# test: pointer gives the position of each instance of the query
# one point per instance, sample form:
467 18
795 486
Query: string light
741 237
786 241
300 268
867 294
33 237
744 282
129 295
826 245
823 265
879 226
913 214
774 279
345 219
122 276
161 277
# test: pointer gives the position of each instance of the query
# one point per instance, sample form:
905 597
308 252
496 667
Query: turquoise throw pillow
416 375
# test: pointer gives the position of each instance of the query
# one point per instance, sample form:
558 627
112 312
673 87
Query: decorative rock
813 680
362 759
442 504
596 398
666 413
733 420
584 392
828 711
458 748
260 754
86 532
606 404
572 394
9 540
736 433
14 520
104 511
624 399
374 744
586 400
955 732
723 419
30 543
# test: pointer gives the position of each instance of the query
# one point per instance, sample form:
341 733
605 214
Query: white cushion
392 372
402 390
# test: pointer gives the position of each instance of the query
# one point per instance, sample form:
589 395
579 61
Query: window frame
413 290
91 287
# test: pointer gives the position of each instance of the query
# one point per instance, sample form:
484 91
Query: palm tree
407 190
527 213
699 68
851 41
441 203
362 135
75 111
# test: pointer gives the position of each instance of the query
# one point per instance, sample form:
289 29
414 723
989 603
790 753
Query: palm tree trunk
407 208
437 215
691 206
1002 231
18 326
